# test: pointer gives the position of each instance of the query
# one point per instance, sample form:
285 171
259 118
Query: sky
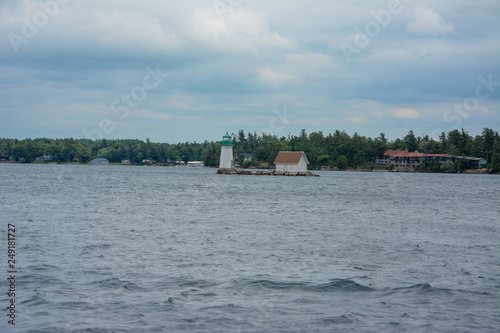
188 71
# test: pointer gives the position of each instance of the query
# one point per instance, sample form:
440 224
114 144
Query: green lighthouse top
227 140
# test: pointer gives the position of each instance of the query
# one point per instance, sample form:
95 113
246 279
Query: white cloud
148 114
309 64
273 77
296 67
427 22
406 113
356 120
241 31
130 30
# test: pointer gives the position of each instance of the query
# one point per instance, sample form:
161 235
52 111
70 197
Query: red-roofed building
291 161
405 159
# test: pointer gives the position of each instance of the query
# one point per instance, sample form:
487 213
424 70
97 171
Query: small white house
291 161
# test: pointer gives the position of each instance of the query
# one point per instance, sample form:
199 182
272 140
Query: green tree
410 141
324 160
442 141
342 162
380 144
448 166
488 141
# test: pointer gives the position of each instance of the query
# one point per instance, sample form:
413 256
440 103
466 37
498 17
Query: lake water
157 249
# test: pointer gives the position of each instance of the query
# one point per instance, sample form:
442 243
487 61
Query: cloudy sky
177 71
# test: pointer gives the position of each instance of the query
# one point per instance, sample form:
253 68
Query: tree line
337 149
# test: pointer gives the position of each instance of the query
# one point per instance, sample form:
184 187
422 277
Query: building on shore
99 161
49 158
291 161
407 160
197 164
473 162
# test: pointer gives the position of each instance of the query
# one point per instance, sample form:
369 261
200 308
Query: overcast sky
176 71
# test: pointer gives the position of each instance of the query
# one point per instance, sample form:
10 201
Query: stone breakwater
264 173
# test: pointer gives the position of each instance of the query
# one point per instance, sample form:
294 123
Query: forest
335 150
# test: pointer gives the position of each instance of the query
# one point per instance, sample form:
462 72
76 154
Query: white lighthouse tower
226 152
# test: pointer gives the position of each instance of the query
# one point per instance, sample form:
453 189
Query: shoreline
270 172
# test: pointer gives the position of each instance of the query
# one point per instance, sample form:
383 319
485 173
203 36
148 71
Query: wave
426 288
198 283
39 268
345 285
335 285
343 319
39 298
115 283
53 329
95 247
420 287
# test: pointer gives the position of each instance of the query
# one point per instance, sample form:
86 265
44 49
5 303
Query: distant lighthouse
226 152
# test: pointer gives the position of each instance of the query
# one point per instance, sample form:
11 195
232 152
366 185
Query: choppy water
153 249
